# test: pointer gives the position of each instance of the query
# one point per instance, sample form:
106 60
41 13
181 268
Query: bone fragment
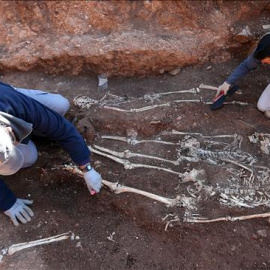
266 26
134 141
176 132
154 96
170 222
238 164
186 101
146 108
17 247
228 218
192 90
248 124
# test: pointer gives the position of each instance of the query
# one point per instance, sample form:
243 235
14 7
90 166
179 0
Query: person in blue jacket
23 111
261 55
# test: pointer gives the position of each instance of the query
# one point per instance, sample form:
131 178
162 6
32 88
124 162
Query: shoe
267 114
219 100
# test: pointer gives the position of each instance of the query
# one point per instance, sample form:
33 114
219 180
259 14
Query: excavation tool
220 99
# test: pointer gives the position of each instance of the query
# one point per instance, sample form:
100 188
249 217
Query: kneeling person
22 112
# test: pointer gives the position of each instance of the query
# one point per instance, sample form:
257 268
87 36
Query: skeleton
147 108
108 100
192 145
248 184
243 192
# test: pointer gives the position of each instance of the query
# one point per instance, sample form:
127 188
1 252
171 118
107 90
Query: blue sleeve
7 198
57 128
245 67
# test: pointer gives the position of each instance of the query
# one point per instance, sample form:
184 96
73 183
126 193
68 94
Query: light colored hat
11 158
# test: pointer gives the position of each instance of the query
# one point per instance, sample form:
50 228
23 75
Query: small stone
102 82
262 233
244 36
175 71
266 26
161 71
209 67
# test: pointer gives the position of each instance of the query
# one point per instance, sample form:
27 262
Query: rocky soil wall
124 38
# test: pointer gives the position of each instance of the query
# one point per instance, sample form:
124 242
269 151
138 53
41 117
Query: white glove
20 211
224 87
93 180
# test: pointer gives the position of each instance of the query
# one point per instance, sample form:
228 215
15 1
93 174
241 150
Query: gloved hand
224 87
20 211
93 180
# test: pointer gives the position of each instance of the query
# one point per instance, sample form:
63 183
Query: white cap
11 158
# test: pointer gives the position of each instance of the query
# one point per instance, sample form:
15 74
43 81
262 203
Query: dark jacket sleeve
7 198
244 68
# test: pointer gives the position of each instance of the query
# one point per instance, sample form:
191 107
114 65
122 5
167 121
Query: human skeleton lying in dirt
22 112
247 183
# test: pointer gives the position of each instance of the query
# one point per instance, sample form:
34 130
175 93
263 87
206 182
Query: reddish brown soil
62 202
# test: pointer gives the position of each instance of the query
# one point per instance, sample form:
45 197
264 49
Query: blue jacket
245 67
45 122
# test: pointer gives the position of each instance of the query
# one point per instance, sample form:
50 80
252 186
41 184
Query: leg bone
118 188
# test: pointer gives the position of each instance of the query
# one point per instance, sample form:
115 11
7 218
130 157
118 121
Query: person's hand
20 212
93 180
224 87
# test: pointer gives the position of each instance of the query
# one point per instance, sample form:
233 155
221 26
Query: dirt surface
127 231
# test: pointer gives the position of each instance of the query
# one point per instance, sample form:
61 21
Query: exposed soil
138 237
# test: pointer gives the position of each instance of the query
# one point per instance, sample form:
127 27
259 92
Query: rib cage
237 155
